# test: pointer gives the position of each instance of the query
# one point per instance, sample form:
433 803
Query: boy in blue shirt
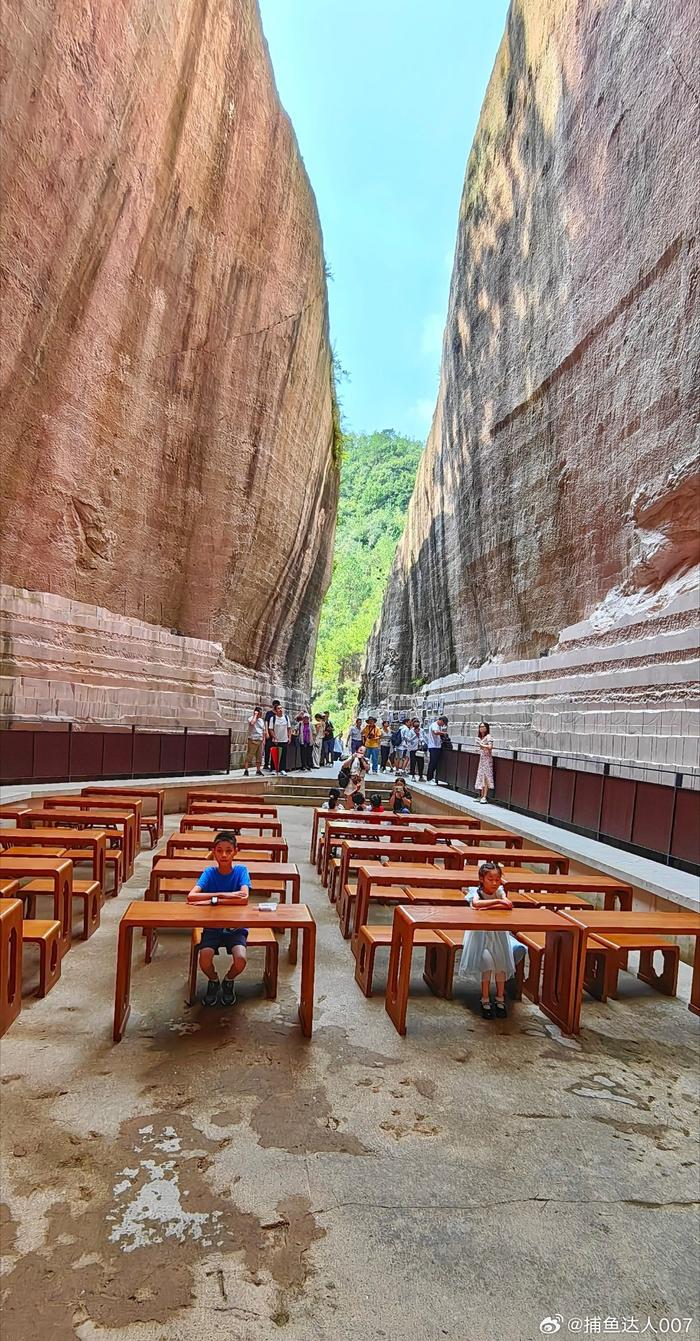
228 882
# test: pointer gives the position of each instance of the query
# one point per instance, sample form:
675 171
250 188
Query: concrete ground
215 1172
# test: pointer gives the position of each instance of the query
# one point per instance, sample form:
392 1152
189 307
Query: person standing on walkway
319 732
371 737
254 743
416 748
328 738
484 774
384 745
280 731
436 731
269 719
355 736
305 742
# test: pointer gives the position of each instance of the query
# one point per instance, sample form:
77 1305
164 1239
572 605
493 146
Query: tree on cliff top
378 471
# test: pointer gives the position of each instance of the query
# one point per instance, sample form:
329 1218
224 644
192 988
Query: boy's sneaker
228 992
211 996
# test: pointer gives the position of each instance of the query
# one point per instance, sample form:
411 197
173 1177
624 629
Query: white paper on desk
268 907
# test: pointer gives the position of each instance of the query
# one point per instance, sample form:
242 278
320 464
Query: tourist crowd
402 746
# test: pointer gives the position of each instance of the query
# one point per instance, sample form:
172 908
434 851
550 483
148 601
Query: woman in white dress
487 952
484 775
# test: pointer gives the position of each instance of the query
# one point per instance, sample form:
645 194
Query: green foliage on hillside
376 481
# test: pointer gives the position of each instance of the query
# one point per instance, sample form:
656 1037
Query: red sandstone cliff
167 435
559 472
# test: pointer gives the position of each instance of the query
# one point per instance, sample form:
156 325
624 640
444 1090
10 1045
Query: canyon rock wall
559 482
168 435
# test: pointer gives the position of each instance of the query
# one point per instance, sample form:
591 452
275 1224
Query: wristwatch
214 900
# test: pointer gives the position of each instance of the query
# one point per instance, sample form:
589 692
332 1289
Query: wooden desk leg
122 1005
361 911
399 976
694 1003
63 911
314 835
562 978
618 897
306 986
151 945
294 933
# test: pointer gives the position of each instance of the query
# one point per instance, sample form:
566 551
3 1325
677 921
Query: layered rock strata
559 482
167 440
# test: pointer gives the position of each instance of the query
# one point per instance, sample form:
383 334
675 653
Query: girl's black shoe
500 1009
486 1011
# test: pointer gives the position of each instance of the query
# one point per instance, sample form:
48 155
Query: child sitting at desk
228 882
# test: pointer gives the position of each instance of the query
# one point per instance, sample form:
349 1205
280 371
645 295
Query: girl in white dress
487 952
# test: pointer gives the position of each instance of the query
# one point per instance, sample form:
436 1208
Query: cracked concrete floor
217 1171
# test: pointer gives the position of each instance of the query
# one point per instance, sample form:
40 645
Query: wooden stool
10 962
47 935
151 827
258 937
618 945
372 938
87 890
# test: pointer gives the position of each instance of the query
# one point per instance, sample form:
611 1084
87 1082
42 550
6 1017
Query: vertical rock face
167 427
559 482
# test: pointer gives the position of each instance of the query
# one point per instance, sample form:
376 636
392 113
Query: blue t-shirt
211 881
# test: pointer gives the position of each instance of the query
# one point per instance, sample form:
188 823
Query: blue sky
385 96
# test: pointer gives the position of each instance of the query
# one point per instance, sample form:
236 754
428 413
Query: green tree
378 471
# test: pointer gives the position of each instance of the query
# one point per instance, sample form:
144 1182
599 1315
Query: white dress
484 951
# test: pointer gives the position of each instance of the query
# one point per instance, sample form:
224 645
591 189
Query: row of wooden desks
203 841
322 817
154 796
232 808
376 875
92 841
566 937
123 820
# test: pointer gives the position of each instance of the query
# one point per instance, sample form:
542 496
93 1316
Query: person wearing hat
306 742
371 738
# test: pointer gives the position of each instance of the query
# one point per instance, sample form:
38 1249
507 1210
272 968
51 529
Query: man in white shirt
280 731
355 736
436 731
254 745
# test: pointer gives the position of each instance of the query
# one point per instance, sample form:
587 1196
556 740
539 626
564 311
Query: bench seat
346 903
47 935
86 890
373 938
258 938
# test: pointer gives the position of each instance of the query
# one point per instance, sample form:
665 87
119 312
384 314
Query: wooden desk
473 837
93 840
232 807
216 794
237 823
123 820
11 915
427 894
401 873
275 848
559 986
152 916
573 883
357 853
379 837
609 921
387 817
13 814
156 794
57 869
554 861
265 876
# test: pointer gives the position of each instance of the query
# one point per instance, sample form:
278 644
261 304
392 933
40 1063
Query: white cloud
431 336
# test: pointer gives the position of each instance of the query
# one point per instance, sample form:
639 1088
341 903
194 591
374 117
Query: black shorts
214 938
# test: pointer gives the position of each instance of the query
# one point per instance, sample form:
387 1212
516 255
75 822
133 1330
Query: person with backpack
437 736
396 744
280 734
370 739
328 740
269 718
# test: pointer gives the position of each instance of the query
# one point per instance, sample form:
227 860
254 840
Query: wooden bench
616 947
10 961
258 937
373 938
86 891
47 935
345 905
